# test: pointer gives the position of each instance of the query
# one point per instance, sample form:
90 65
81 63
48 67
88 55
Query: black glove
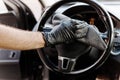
63 31
66 29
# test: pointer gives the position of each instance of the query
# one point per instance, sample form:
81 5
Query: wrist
45 38
40 40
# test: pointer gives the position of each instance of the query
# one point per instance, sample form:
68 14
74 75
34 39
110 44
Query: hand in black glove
63 31
66 29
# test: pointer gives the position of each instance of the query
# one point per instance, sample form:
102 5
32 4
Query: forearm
17 39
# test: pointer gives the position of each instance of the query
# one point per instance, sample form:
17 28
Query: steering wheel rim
107 21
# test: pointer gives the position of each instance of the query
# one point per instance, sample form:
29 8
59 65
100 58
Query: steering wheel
63 58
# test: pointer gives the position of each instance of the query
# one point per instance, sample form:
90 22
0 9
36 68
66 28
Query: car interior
66 61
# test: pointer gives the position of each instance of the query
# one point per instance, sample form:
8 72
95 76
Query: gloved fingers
80 24
58 19
80 33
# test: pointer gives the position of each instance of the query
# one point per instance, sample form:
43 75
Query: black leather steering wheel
105 17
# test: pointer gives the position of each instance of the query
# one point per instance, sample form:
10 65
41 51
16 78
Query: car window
35 7
49 2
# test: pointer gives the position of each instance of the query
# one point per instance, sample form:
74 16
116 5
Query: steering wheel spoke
66 64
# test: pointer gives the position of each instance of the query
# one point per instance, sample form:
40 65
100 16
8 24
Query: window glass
35 7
